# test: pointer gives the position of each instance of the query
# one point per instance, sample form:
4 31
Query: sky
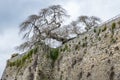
13 12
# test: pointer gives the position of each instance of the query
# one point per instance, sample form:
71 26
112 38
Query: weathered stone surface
90 56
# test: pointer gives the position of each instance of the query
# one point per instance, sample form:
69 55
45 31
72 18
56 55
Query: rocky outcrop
94 55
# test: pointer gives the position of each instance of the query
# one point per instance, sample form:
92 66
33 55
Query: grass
54 53
20 62
65 48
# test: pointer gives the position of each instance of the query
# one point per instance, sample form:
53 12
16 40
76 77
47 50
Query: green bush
86 38
16 63
84 44
113 40
54 53
113 26
11 64
95 30
78 42
20 62
76 47
65 48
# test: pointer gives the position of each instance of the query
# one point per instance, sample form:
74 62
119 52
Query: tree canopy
89 21
49 24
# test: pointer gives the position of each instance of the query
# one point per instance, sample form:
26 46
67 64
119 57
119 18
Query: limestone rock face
94 55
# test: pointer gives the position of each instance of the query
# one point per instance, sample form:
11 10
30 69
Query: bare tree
47 24
75 28
39 27
89 22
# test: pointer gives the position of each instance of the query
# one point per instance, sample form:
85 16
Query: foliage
14 55
105 35
99 38
84 44
113 40
99 30
20 62
89 21
36 28
65 48
77 47
79 42
86 38
95 30
104 29
54 53
113 26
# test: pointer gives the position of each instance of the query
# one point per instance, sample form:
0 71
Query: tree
89 22
39 27
75 28
47 24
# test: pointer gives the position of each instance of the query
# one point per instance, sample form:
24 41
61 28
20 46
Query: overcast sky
13 12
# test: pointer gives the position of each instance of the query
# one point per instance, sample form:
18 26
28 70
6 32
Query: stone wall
94 55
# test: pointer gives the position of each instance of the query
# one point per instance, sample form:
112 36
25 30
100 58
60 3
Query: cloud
103 9
14 12
8 41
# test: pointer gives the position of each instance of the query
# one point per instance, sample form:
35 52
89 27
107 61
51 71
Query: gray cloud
8 41
14 12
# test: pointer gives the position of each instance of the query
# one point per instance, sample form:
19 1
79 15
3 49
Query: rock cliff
94 55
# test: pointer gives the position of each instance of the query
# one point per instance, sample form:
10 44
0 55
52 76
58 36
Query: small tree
89 22
75 28
39 27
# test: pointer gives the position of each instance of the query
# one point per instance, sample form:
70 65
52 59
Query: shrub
14 55
84 44
86 38
11 64
76 47
79 42
105 35
16 63
54 53
20 62
95 30
99 38
65 48
104 29
113 26
113 40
